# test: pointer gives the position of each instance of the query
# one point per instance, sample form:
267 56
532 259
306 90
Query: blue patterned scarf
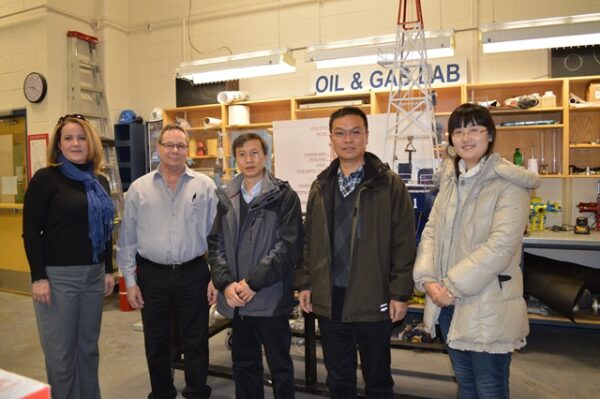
100 206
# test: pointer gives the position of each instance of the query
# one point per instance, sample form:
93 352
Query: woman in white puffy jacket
469 255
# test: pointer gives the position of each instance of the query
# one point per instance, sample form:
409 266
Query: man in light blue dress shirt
168 215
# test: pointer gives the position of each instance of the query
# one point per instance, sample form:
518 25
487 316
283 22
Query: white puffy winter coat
489 316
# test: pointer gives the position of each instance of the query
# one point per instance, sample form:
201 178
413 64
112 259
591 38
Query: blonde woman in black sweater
67 231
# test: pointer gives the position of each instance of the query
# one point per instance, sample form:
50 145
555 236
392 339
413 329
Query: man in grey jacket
255 245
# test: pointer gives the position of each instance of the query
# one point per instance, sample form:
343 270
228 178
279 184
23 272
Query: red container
124 305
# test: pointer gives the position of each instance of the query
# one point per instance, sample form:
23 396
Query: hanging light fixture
578 30
238 66
374 49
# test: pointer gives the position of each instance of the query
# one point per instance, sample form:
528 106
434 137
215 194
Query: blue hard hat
126 116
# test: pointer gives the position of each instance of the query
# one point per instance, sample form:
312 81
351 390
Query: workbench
564 246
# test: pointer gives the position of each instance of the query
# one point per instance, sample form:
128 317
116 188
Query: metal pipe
50 9
23 11
218 12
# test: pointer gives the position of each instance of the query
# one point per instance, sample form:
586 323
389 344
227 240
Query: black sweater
55 223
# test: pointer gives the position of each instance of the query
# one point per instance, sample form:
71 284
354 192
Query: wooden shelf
251 126
534 317
552 176
268 102
584 176
553 319
204 157
262 113
364 107
530 127
432 346
584 146
505 111
594 108
11 206
531 85
193 108
211 129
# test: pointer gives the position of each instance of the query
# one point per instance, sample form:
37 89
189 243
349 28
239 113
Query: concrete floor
557 363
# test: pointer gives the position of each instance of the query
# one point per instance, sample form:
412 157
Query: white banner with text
444 71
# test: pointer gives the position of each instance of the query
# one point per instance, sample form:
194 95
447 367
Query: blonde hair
95 151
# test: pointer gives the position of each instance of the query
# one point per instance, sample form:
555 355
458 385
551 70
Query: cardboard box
14 386
593 93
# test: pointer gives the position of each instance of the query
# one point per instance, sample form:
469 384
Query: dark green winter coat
382 244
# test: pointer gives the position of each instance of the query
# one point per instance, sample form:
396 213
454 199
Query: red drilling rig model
593 207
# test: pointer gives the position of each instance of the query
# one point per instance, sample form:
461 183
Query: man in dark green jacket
359 250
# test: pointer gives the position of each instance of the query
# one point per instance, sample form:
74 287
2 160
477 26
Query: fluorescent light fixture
238 66
578 30
371 50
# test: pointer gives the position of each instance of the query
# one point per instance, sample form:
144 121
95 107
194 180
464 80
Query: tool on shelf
537 212
593 207
581 226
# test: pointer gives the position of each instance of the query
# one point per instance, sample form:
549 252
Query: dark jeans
249 334
340 340
180 294
480 375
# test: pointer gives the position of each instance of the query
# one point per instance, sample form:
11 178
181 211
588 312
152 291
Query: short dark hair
472 114
348 111
243 138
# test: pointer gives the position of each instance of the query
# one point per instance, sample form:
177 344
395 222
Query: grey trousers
69 329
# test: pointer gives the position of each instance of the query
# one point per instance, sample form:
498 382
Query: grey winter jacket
264 250
491 314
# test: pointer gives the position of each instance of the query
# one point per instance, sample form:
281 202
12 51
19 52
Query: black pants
181 294
248 335
340 340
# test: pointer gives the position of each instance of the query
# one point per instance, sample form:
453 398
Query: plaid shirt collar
348 184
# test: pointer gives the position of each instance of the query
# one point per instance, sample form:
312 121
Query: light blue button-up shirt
165 226
254 191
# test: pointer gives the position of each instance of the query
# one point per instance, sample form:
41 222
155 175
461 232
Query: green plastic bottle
518 157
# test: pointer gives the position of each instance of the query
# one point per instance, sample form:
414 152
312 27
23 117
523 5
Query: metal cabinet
131 145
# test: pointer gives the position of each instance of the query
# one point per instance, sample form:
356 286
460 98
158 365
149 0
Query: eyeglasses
471 132
64 118
171 146
341 134
244 155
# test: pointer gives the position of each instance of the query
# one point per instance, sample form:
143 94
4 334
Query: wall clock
35 87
